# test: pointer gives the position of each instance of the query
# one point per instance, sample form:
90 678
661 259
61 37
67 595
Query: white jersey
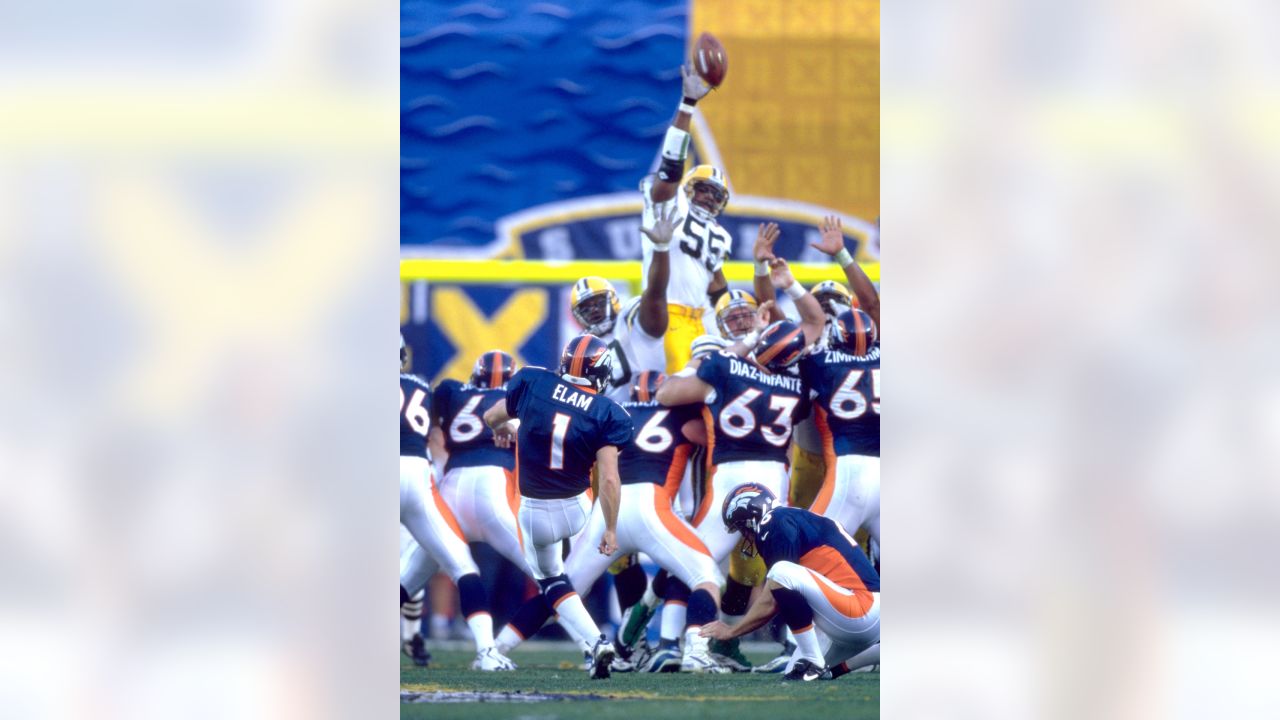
698 250
634 350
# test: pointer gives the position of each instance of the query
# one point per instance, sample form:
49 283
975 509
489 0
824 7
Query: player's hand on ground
664 228
716 630
832 236
780 274
762 249
694 86
504 435
609 543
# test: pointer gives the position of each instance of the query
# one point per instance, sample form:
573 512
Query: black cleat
416 649
804 671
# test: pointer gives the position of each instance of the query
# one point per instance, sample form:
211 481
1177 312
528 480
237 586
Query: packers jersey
634 350
846 389
752 411
415 417
459 409
698 249
659 451
561 428
818 543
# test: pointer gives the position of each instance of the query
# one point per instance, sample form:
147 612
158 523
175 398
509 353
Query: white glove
695 87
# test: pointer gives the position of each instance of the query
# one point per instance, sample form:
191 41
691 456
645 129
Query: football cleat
780 346
664 660
697 658
586 360
416 649
779 663
602 655
621 665
594 304
728 654
490 660
805 670
493 369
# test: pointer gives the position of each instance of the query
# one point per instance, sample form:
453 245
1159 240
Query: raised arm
811 318
653 302
863 289
684 387
676 144
762 251
610 496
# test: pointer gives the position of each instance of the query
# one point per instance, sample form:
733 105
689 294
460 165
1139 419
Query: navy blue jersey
819 544
658 452
458 411
847 395
753 411
415 418
561 428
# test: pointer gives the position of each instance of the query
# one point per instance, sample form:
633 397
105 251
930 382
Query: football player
751 406
845 384
701 245
479 478
564 427
821 583
633 331
429 520
651 467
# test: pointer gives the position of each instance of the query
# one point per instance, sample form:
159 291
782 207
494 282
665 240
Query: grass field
546 668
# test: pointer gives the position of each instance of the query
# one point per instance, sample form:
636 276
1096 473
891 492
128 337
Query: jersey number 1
559 428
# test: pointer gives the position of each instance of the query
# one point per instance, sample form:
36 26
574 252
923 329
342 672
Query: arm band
762 268
796 290
686 108
674 148
843 258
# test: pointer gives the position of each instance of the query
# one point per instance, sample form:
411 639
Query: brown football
709 59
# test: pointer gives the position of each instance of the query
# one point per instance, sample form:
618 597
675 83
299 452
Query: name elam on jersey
745 369
575 398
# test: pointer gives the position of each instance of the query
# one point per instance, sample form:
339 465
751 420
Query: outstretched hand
664 227
780 274
694 86
762 249
832 236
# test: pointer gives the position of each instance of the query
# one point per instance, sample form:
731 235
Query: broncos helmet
712 179
493 369
586 360
780 346
745 509
736 309
854 332
596 316
833 297
645 386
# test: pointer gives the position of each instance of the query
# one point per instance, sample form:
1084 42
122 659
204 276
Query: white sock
693 642
807 645
788 636
481 625
411 618
577 621
649 599
864 659
439 626
507 640
673 619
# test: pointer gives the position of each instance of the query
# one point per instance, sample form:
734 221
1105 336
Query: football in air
710 60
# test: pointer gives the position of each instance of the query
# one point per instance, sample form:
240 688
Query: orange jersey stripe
850 603
513 501
675 526
823 500
705 506
446 512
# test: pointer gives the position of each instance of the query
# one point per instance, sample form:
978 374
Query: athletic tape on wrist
686 108
762 268
796 290
843 257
